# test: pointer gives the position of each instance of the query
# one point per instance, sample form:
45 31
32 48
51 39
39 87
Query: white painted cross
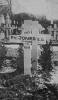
50 29
27 58
31 44
30 40
53 31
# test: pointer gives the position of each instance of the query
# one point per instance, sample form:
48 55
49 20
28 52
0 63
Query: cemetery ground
24 87
16 86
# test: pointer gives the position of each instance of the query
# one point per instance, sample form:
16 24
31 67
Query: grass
22 87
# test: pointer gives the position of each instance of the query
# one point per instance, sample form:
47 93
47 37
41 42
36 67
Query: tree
20 60
45 60
3 52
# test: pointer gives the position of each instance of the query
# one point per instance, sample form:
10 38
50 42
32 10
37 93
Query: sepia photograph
28 50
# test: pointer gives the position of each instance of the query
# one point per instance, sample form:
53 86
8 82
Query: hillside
25 16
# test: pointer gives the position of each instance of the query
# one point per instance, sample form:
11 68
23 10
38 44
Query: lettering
27 38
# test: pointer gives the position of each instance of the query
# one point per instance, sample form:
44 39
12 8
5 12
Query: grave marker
30 38
27 59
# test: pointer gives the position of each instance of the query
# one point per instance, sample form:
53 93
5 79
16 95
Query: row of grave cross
54 32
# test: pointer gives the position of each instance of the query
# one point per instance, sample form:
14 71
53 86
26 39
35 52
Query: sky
37 7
